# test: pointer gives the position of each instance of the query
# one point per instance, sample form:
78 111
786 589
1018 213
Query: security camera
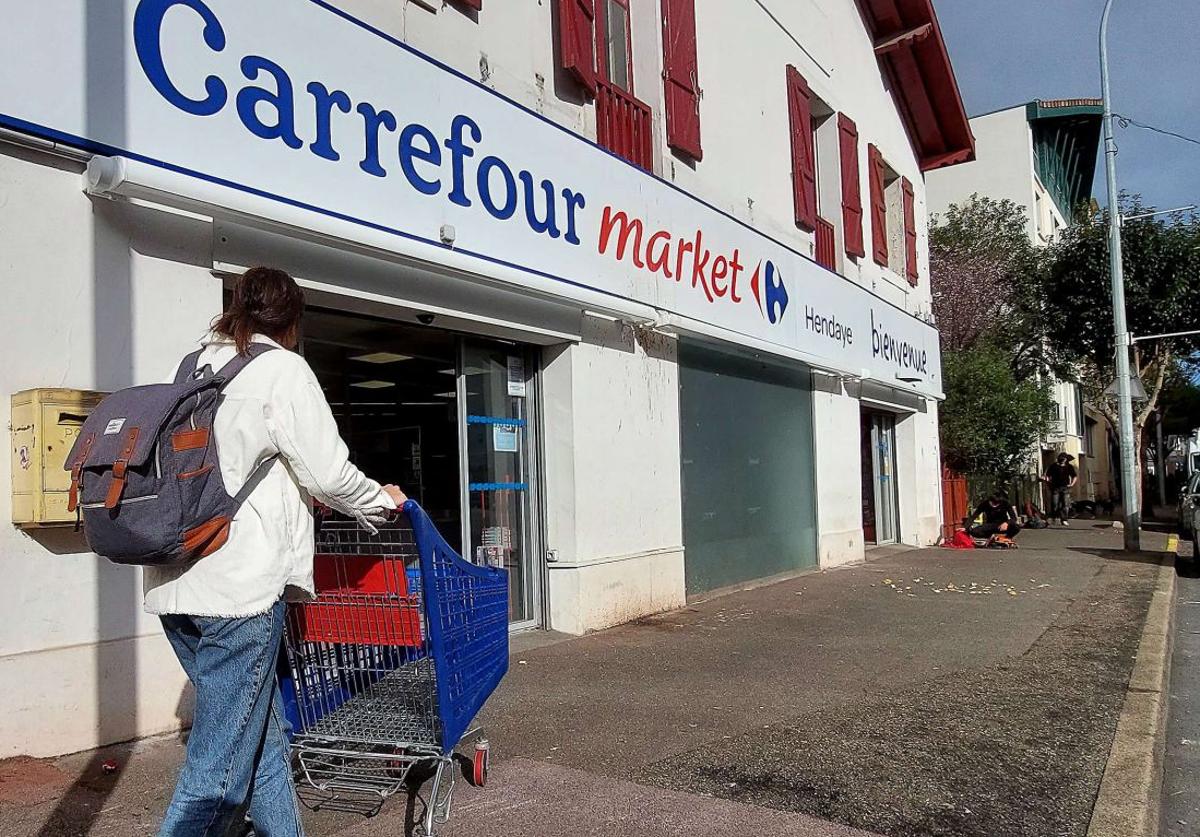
425 319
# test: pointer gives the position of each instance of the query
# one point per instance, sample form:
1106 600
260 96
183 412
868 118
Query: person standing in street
1061 476
224 613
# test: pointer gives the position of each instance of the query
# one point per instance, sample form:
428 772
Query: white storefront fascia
224 107
110 290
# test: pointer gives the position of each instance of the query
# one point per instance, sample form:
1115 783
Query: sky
1008 52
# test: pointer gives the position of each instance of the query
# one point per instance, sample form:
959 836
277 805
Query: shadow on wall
117 588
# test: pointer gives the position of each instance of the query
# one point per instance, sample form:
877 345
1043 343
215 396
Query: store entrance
880 505
447 418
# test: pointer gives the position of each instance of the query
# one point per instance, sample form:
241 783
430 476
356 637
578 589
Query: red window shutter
680 77
910 232
577 43
879 236
852 211
804 173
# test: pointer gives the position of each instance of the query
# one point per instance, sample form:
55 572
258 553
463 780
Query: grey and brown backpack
145 477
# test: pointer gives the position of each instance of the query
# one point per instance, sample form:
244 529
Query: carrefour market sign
296 102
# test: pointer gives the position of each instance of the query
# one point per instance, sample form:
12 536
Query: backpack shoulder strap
256 476
187 367
239 362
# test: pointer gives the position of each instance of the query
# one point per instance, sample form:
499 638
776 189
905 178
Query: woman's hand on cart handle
398 496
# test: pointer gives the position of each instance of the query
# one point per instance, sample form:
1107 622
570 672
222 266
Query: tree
1162 292
987 298
987 282
990 420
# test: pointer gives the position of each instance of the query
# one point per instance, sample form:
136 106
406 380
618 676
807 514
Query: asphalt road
1181 775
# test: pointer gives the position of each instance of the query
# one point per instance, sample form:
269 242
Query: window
577 40
910 231
827 164
614 48
893 218
877 173
595 47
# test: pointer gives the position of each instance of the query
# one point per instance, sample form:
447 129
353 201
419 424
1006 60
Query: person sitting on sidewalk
1062 477
997 521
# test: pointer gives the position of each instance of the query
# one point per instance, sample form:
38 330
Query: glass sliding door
495 391
881 510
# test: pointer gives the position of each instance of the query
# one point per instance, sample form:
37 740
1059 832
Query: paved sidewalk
931 692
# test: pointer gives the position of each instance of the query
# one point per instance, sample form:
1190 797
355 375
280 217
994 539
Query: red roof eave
912 52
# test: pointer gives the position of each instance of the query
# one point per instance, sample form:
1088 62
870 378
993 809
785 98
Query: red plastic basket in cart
360 600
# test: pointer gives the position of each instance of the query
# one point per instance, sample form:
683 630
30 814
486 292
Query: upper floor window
595 47
614 44
893 218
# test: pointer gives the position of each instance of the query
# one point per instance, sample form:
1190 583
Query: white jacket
274 406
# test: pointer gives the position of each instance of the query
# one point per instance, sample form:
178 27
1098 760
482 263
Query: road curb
1129 801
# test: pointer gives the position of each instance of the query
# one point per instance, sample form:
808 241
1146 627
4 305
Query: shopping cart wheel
480 763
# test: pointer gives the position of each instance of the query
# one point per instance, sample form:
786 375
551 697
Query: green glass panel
748 478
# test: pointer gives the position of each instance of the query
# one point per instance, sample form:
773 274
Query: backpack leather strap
77 472
117 487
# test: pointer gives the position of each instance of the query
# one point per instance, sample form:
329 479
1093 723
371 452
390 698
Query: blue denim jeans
237 752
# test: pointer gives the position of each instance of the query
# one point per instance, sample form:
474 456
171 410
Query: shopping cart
392 661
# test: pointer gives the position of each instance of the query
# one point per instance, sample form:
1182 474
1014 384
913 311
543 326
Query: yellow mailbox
45 424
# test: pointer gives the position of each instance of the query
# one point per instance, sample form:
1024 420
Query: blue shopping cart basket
389 666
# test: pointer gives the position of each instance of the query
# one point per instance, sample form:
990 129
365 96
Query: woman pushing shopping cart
205 482
392 661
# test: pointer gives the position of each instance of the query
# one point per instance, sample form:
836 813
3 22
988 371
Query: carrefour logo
773 298
720 277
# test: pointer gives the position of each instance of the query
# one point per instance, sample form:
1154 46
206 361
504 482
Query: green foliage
1162 283
1180 400
988 282
990 418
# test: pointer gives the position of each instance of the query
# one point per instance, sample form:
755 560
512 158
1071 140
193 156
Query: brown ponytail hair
265 301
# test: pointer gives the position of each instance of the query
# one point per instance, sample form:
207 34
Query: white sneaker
1065 523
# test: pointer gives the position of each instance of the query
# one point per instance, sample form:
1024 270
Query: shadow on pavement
1115 554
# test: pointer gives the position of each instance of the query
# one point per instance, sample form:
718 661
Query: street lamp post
1129 470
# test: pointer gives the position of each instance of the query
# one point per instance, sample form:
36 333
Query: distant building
1042 156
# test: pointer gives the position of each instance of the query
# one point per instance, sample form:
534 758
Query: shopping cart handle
428 537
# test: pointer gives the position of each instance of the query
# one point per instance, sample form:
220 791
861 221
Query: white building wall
105 295
837 458
614 515
80 662
746 168
748 172
1003 168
